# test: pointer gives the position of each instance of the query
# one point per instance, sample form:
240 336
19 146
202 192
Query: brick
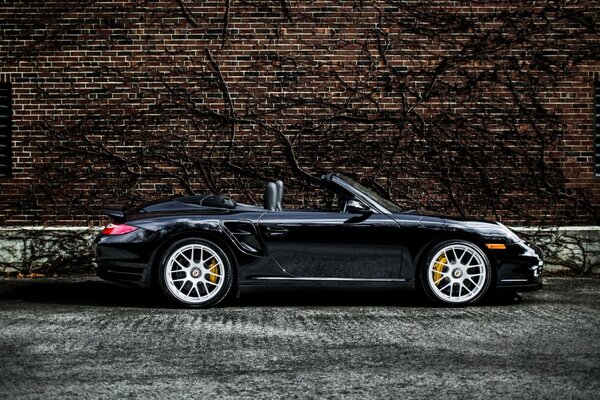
112 100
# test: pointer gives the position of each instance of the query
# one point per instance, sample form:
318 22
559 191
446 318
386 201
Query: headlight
510 234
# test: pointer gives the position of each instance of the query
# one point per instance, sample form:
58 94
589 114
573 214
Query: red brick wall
485 109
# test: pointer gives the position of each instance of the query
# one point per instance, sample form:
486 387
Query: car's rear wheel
455 272
195 273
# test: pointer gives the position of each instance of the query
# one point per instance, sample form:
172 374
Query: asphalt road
86 338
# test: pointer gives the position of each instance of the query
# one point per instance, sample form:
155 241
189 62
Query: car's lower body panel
257 284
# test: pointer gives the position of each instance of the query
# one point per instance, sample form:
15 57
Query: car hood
488 230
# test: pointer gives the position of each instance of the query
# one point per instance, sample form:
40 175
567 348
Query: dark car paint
307 247
331 244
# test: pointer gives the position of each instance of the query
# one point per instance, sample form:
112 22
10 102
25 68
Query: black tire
457 273
177 253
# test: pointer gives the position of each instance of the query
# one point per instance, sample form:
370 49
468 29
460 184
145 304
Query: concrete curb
46 248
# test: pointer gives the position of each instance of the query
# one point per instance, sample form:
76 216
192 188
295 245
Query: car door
324 244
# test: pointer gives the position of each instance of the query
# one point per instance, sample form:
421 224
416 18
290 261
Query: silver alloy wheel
457 273
194 273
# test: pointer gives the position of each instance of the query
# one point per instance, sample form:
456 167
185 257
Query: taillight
118 229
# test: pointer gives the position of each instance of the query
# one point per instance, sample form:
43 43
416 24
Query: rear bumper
122 261
127 273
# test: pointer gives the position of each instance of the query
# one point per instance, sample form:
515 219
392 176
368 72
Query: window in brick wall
597 129
5 130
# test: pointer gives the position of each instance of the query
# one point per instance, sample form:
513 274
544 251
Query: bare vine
436 106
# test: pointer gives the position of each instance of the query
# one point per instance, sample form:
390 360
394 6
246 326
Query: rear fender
218 238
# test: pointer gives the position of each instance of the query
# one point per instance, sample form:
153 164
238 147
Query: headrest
270 199
279 198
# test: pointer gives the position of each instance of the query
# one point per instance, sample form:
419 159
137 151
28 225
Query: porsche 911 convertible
200 249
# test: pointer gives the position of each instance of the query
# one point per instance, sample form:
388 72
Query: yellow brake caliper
214 271
437 270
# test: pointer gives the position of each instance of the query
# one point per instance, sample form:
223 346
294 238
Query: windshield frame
383 205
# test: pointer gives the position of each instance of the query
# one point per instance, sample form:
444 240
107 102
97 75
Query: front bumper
519 267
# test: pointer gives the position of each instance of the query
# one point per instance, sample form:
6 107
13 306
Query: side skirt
263 282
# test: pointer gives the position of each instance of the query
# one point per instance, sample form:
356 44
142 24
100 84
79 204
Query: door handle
273 231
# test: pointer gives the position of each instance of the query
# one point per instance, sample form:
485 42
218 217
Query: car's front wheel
195 273
455 272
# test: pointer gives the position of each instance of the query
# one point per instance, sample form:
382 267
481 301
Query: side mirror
354 206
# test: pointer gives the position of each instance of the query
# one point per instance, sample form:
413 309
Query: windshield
385 203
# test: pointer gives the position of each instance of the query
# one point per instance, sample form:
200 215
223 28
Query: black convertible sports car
197 248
